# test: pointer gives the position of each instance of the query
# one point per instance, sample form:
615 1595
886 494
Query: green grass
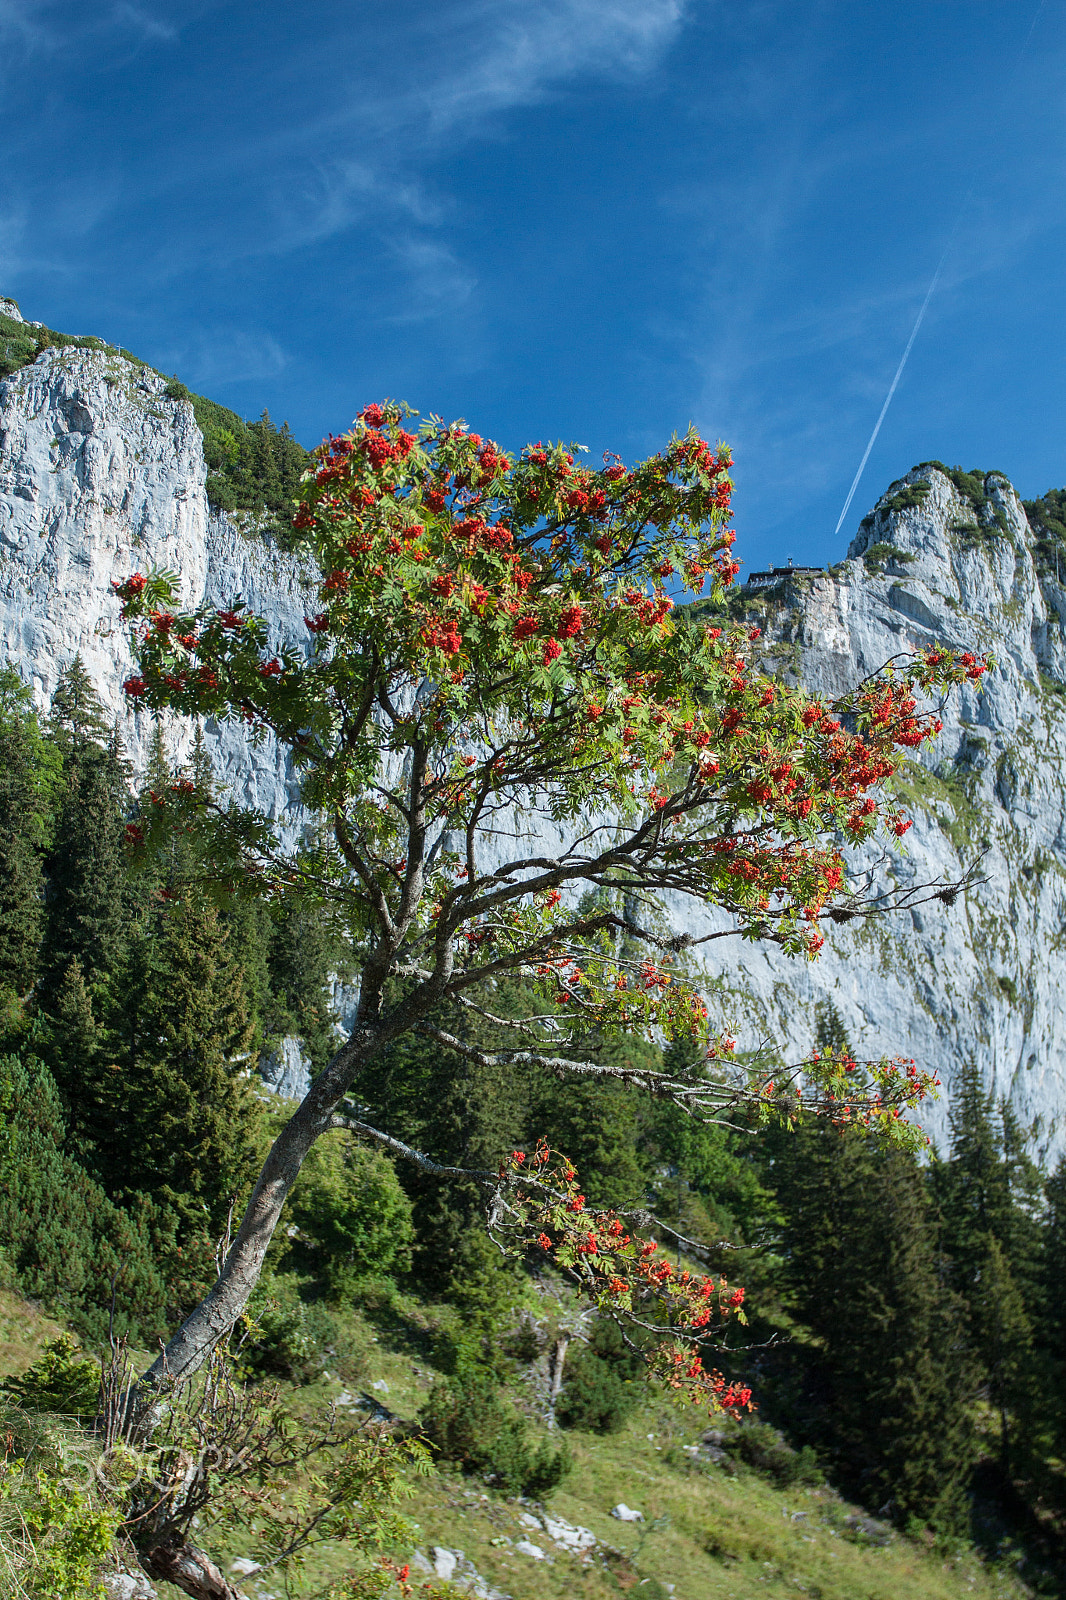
715 1532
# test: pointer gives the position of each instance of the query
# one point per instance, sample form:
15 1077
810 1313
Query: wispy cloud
44 26
508 53
474 64
225 355
436 281
151 27
363 158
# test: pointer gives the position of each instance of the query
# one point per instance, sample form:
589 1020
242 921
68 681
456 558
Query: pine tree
596 1124
892 1374
1053 1320
189 1114
301 956
263 466
199 768
76 1046
77 715
463 1114
29 770
992 1243
88 913
64 1241
88 917
158 773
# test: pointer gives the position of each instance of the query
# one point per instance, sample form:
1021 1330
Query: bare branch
342 1119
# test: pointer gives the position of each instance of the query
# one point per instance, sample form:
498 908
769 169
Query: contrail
892 390
936 279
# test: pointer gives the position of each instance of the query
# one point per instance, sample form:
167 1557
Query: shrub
284 1335
468 1422
62 1381
21 344
57 1530
66 1243
912 494
353 1216
877 556
764 1449
601 1387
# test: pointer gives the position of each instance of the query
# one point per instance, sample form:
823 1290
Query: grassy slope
714 1536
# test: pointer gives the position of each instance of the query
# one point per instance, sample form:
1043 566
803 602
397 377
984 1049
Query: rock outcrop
980 980
101 472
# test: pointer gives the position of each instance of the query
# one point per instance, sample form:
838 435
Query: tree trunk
556 1365
216 1314
189 1569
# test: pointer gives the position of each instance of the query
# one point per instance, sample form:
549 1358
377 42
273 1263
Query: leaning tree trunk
216 1314
164 1553
189 1569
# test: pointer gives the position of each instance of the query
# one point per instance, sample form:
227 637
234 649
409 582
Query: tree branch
342 1119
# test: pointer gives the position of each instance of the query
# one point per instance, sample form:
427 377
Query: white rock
626 1513
126 1585
285 1069
444 1560
244 1566
528 1520
569 1536
9 309
528 1549
380 1385
102 474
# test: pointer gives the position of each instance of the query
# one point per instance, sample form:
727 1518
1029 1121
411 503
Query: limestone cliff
981 980
101 472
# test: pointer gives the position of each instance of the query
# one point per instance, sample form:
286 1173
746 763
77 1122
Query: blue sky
588 219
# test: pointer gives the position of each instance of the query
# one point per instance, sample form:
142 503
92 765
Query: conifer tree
158 773
989 1235
64 1241
189 1113
465 1115
29 768
1053 1305
77 713
263 465
598 1124
893 1376
77 1046
88 905
299 964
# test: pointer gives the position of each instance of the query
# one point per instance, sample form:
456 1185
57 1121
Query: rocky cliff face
100 472
980 980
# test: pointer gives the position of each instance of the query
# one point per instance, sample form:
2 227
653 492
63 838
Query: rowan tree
520 746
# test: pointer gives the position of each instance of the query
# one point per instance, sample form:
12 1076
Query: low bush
65 1242
57 1528
469 1423
602 1385
61 1381
878 555
353 1217
763 1449
284 1335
